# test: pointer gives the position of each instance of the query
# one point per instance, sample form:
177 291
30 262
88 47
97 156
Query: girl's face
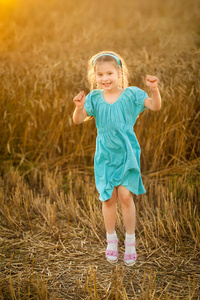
107 76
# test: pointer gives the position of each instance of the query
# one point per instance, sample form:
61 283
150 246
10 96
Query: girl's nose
104 77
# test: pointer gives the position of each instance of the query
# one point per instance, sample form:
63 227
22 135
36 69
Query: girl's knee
112 200
126 201
125 197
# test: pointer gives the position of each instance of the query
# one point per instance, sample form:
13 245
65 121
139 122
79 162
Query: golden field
52 235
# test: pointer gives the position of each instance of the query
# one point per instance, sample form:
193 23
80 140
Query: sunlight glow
7 2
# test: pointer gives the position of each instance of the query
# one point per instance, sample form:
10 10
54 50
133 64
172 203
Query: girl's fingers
81 93
151 78
79 97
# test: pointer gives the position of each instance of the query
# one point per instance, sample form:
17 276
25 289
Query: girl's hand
79 100
151 81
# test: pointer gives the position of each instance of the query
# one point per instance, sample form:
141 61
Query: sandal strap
112 241
112 253
130 256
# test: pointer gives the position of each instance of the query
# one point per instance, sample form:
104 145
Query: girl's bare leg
129 216
128 208
109 212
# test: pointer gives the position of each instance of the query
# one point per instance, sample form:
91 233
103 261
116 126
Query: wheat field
52 235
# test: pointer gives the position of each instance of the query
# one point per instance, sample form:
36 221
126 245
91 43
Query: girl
116 107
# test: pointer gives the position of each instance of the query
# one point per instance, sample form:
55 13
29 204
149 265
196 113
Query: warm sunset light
56 234
7 5
7 2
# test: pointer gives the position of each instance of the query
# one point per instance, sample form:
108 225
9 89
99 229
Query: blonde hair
123 83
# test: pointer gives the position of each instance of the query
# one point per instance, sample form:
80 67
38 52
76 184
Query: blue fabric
117 156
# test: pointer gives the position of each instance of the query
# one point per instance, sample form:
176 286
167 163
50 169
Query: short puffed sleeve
138 97
89 105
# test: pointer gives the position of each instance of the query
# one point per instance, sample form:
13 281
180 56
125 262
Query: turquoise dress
117 156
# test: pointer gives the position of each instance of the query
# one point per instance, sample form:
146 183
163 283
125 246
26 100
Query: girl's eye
109 73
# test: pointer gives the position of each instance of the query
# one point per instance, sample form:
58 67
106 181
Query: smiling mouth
106 83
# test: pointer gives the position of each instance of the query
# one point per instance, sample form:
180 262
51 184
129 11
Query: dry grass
41 70
50 215
53 246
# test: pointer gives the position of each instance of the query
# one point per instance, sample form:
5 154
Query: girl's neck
113 92
113 95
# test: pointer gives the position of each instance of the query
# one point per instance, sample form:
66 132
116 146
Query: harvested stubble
40 73
52 236
53 242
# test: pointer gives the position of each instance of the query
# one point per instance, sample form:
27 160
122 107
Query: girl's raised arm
153 103
80 113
